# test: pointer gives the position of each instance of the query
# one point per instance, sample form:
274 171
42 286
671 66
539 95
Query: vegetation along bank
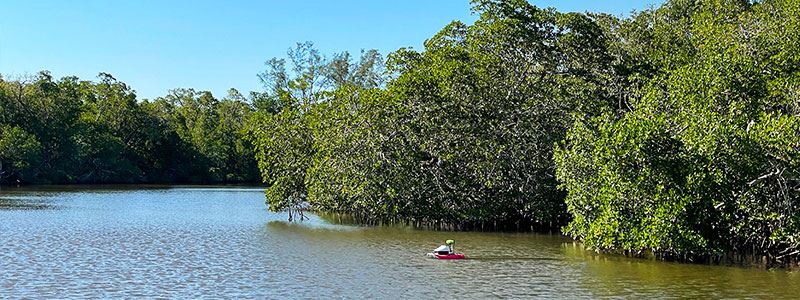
674 132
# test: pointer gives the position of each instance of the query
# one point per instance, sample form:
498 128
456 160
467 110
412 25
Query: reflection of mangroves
96 188
672 279
307 227
726 259
488 246
443 225
26 204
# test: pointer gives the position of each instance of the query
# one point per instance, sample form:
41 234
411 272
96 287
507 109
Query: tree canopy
462 132
706 162
74 131
674 132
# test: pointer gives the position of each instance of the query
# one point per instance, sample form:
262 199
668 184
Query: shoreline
732 259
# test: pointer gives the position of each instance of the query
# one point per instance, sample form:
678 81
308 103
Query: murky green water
59 242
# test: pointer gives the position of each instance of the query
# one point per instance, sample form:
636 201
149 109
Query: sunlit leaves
706 162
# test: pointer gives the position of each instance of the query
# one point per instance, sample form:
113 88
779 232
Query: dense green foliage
72 131
706 163
674 132
463 133
287 134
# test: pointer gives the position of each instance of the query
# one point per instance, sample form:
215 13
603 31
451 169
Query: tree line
75 131
461 133
673 132
704 162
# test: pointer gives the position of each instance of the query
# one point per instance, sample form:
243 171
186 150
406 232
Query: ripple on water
195 242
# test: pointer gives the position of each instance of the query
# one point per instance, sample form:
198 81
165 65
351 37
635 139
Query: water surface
58 242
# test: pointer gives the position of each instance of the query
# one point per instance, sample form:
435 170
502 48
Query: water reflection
222 242
615 275
24 203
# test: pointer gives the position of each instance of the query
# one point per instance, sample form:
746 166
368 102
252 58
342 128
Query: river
190 242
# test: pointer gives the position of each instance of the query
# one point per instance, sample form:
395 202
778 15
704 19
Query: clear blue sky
157 45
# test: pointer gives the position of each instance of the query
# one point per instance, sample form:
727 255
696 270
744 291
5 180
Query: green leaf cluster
706 161
74 131
461 133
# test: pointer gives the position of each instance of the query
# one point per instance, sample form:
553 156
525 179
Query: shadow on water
25 204
106 188
616 274
513 258
308 227
196 241
478 246
44 197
